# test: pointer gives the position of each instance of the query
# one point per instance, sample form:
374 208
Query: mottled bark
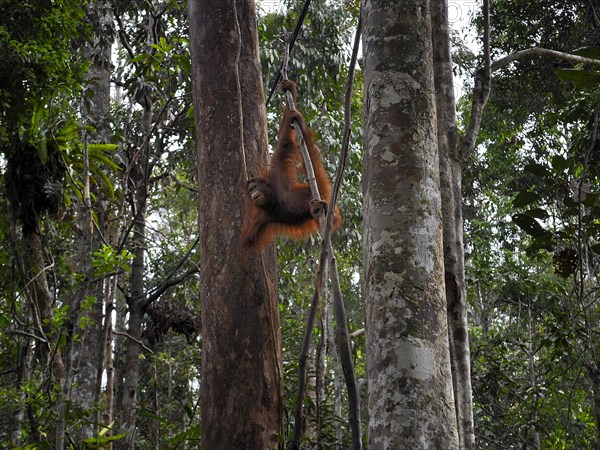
451 190
241 390
411 404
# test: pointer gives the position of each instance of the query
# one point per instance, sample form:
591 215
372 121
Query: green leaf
109 188
69 132
66 199
139 58
43 151
538 213
570 203
590 199
559 163
529 225
588 52
104 440
525 198
102 158
594 229
581 78
595 212
544 242
108 148
537 169
36 118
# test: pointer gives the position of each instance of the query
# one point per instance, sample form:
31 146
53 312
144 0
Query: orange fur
287 209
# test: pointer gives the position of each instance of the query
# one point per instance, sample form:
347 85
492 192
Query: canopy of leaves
37 59
531 209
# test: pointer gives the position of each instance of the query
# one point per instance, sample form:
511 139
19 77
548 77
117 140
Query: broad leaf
559 163
588 52
538 213
529 225
545 242
581 78
537 169
525 198
590 199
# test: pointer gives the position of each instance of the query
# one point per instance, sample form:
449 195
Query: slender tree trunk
107 417
241 388
87 352
42 314
451 191
336 367
155 430
136 302
315 381
41 302
535 434
119 357
23 375
129 401
595 377
411 403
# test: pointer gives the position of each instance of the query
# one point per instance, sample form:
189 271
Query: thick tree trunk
451 190
241 389
411 404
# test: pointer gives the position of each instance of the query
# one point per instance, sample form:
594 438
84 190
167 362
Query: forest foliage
531 197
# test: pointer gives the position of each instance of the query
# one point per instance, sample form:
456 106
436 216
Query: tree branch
481 90
539 51
137 341
169 282
170 279
30 335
